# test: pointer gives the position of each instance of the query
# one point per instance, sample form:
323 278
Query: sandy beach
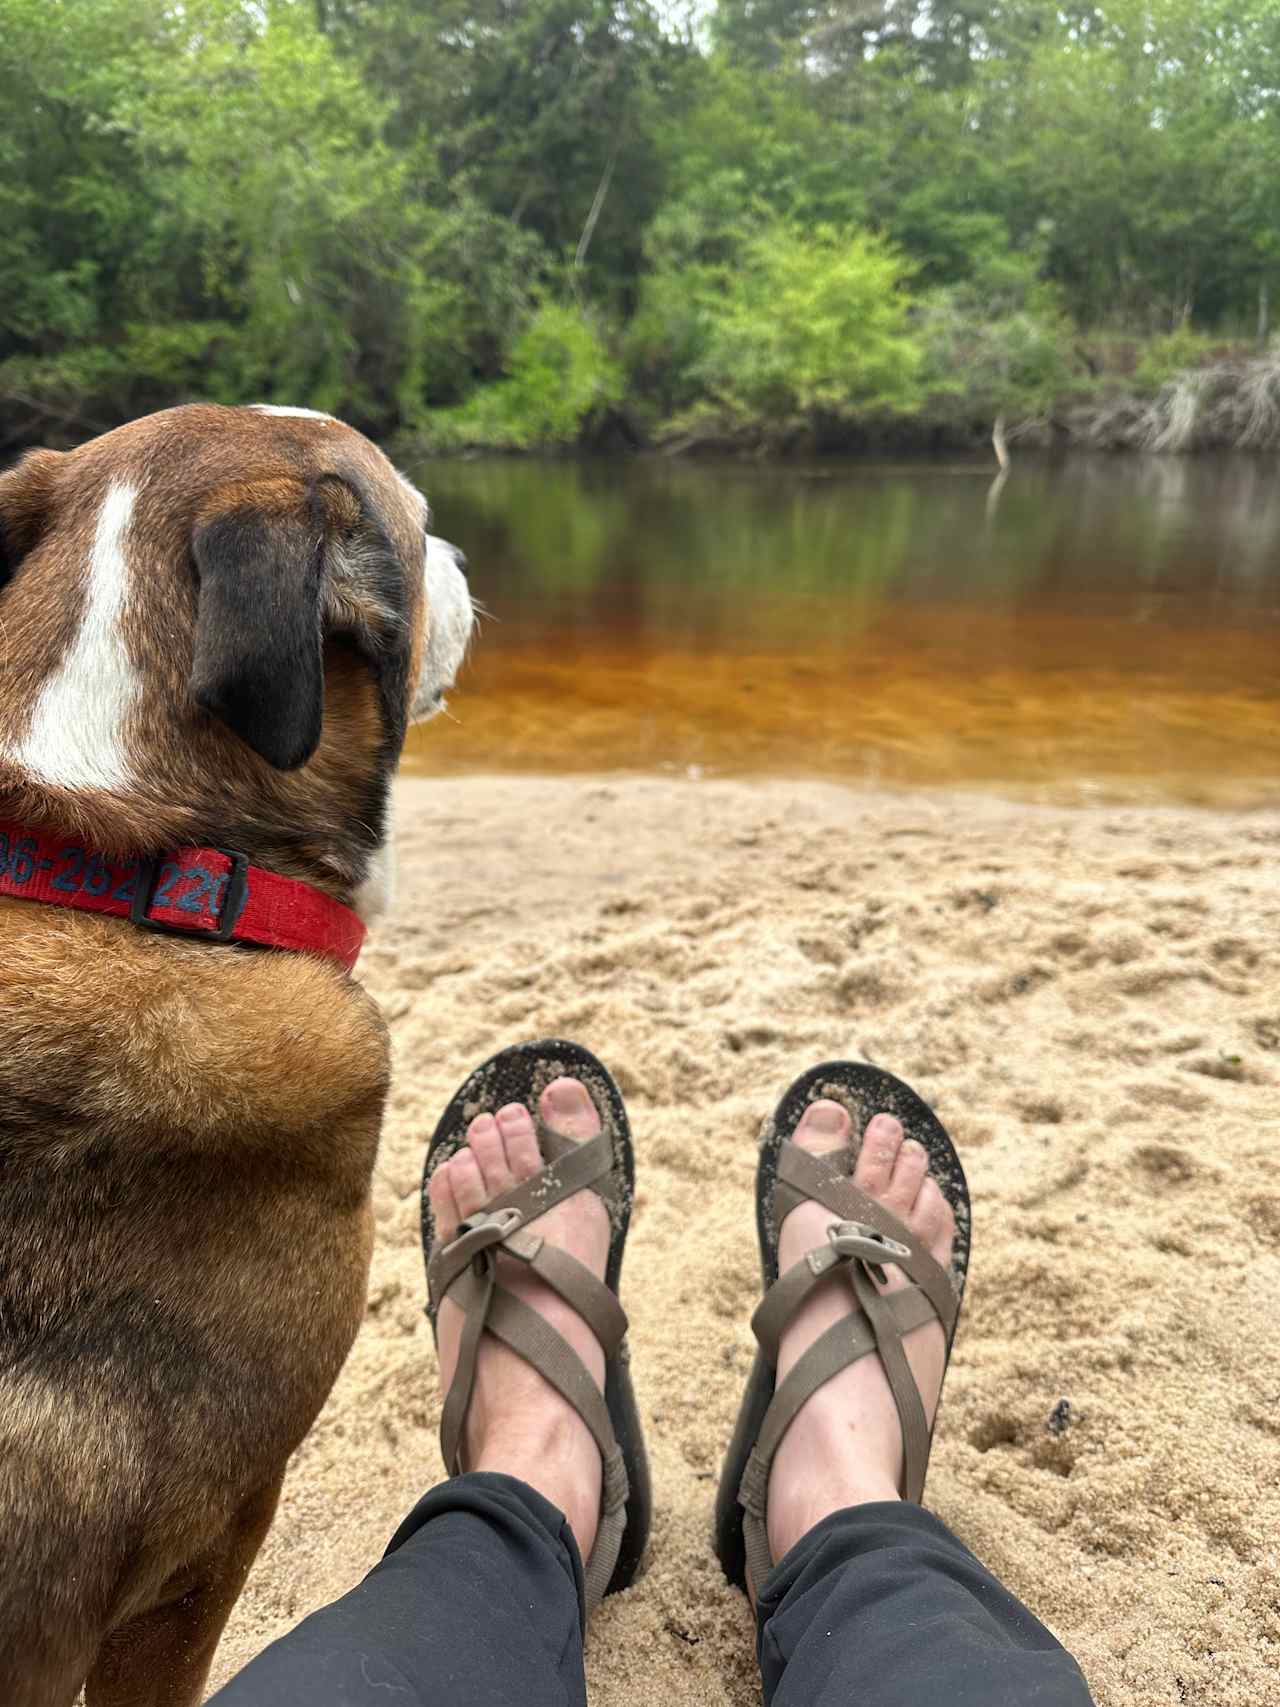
1091 1000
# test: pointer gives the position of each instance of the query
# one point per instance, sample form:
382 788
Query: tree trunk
1264 313
597 205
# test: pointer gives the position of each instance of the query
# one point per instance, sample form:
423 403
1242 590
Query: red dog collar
210 894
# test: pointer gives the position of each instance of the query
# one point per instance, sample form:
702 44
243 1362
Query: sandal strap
532 1337
822 1179
472 1292
886 1325
466 1271
584 1292
575 1168
844 1343
862 1240
845 1240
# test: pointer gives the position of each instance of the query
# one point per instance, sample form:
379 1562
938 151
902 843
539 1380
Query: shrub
1165 358
996 343
559 377
811 325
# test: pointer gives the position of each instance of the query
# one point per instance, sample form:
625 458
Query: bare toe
909 1173
881 1143
524 1158
928 1219
568 1109
485 1141
823 1126
468 1184
444 1208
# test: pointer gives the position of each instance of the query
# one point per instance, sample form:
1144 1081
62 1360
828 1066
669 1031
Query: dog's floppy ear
26 504
259 664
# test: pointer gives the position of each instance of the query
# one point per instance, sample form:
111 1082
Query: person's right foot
845 1446
517 1422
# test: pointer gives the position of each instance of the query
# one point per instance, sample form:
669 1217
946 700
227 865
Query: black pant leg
477 1602
881 1606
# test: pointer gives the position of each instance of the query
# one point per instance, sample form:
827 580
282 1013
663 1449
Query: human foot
517 1423
845 1446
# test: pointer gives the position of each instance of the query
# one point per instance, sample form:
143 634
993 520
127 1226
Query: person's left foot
516 1422
845 1446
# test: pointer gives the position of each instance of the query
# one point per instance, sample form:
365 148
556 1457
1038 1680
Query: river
1097 629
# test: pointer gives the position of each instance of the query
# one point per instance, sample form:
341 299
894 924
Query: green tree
460 216
548 112
812 330
996 344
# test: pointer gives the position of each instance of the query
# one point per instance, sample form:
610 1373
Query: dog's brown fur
187 1132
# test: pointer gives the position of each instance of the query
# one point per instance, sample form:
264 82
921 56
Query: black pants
478 1603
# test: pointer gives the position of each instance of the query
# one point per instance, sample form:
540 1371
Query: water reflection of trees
747 554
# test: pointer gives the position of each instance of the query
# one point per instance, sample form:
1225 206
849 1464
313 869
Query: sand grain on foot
1091 1000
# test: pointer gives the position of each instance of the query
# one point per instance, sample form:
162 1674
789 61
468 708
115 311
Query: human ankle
792 1518
581 1510
555 1456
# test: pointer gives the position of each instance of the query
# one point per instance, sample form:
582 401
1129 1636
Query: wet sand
1090 998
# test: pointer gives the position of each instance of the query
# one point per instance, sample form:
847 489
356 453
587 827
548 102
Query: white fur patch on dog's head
286 409
76 735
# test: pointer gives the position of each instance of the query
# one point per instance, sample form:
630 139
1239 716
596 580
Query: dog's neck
326 824
344 867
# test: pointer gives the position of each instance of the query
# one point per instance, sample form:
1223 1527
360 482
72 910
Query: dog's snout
451 617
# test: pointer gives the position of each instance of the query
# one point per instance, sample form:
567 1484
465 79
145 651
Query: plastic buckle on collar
228 912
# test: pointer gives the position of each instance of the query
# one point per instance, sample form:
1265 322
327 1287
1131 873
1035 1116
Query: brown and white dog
215 626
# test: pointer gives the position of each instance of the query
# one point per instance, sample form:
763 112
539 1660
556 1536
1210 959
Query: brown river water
1096 629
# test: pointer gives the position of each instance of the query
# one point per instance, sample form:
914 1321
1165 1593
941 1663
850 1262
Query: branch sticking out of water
1000 444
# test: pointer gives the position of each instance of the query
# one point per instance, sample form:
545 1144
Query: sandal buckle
505 1220
479 1233
848 1236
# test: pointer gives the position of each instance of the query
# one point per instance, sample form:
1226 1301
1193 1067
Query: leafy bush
1165 358
559 377
996 343
670 334
810 326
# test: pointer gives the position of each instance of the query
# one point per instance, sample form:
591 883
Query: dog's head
218 623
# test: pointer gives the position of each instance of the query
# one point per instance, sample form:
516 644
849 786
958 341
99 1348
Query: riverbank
1122 396
1162 396
1092 1001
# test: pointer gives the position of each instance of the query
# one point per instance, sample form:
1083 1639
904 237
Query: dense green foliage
516 222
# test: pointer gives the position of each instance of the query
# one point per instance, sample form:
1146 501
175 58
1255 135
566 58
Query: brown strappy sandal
863 1237
466 1270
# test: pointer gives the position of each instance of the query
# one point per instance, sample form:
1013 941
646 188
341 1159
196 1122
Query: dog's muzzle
450 619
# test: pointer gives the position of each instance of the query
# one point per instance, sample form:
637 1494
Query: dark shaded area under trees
526 223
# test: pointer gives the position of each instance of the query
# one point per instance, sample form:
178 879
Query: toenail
913 1148
825 1117
566 1097
512 1119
